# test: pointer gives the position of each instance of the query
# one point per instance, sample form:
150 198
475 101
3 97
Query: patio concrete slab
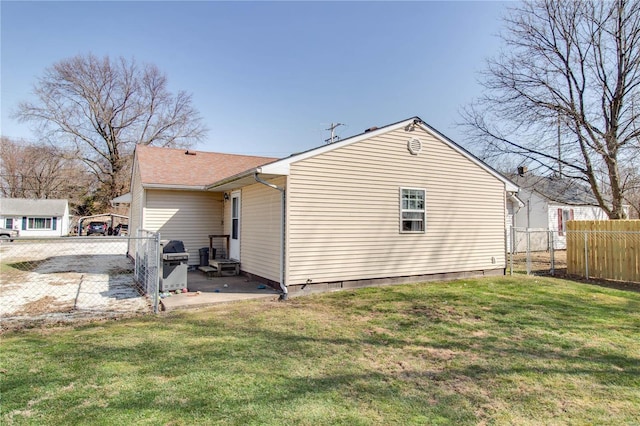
216 290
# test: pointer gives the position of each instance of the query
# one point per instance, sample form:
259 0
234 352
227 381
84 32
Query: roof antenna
332 129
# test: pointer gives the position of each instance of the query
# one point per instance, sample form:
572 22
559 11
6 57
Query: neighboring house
123 199
394 204
514 205
35 218
549 202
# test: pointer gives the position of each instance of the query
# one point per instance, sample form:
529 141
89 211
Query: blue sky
269 77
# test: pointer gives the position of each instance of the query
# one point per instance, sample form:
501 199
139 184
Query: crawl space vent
415 146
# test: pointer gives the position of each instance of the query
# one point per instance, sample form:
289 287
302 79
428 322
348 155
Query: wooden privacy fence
607 249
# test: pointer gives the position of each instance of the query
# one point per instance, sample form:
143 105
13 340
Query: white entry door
234 241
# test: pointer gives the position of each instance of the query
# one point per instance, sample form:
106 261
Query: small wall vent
414 146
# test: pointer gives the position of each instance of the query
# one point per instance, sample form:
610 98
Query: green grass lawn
513 350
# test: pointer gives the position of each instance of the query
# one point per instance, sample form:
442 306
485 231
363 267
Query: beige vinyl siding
189 216
344 217
260 230
135 209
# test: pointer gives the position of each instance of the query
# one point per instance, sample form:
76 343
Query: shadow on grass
239 367
26 266
259 370
616 285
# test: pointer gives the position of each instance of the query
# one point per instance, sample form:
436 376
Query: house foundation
312 288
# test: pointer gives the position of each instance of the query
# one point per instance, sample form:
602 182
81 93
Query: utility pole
559 151
332 129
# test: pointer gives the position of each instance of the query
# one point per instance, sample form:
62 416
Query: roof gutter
230 179
514 199
173 187
283 286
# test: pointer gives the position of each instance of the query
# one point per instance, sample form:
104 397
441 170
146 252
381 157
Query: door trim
236 225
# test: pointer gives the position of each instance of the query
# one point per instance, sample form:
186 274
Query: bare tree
40 172
10 169
104 107
632 193
564 95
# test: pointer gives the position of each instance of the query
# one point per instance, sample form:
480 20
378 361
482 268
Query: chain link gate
537 251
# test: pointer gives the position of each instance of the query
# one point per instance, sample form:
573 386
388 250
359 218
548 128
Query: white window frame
564 217
31 220
403 210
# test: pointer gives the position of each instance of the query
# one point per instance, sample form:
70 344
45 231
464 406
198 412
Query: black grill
173 246
174 265
174 250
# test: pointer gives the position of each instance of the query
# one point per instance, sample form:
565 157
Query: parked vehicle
8 234
97 228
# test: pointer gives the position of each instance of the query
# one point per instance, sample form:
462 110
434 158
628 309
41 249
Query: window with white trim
412 210
8 223
39 223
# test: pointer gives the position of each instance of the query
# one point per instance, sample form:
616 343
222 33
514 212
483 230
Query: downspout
283 286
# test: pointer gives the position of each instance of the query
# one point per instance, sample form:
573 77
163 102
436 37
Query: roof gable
179 167
24 206
282 166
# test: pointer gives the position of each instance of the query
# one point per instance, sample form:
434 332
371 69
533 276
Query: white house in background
123 199
35 218
549 202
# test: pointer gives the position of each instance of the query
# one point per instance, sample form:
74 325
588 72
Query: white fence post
513 249
552 253
528 252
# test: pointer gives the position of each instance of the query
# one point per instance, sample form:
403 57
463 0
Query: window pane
412 225
234 207
412 215
234 229
39 223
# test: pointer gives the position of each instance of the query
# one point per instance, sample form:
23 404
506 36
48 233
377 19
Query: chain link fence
589 254
147 265
70 278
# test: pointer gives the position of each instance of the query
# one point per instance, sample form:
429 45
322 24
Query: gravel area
64 278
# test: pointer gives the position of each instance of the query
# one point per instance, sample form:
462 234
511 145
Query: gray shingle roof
24 206
559 190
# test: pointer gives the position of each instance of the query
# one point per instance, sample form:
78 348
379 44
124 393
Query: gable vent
414 146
